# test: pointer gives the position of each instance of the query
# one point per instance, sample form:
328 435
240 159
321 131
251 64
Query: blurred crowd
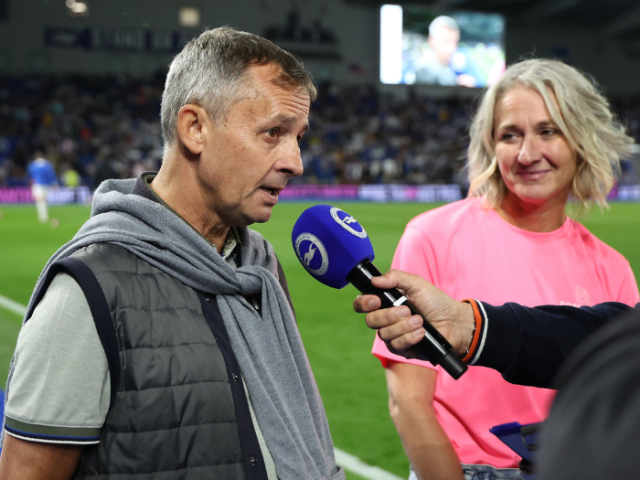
358 135
99 127
95 128
294 30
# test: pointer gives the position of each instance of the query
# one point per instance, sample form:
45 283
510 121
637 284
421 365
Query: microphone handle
433 348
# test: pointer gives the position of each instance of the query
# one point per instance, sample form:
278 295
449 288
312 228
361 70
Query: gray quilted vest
178 407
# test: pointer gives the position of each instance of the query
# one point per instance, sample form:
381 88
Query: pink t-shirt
471 252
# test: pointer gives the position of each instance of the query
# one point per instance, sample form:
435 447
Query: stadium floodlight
189 17
77 8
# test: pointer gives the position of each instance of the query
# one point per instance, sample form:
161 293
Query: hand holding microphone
400 328
336 250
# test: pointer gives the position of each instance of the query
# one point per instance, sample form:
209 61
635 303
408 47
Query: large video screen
421 46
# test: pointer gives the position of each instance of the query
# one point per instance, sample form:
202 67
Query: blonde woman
542 132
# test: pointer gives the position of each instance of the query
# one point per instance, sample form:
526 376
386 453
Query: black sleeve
528 345
592 431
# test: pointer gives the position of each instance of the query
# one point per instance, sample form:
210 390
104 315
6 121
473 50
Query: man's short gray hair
582 114
209 72
443 21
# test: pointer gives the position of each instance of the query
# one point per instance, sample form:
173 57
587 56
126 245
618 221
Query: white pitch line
357 466
346 460
12 306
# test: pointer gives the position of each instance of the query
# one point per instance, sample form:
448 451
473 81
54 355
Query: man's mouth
272 191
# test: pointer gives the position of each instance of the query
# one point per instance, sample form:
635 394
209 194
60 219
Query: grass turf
350 379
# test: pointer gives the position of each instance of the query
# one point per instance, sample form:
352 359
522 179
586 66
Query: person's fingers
389 317
388 280
404 333
398 279
392 279
366 303
408 340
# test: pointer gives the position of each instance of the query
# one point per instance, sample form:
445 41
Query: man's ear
192 121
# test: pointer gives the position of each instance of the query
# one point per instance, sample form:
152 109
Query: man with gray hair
434 67
443 63
160 341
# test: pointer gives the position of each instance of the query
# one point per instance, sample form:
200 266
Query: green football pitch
338 343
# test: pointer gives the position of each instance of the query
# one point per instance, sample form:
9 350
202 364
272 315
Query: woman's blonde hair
583 116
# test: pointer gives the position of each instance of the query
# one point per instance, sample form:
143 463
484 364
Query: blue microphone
336 250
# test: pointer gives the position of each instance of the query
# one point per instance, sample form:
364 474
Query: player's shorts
39 192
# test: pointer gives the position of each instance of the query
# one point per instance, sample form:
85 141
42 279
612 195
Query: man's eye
273 132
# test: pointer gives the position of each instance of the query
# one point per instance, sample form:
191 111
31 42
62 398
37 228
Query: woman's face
536 161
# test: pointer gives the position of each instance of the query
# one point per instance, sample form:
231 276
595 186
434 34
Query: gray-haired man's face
444 42
251 155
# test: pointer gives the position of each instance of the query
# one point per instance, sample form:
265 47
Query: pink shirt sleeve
629 288
413 255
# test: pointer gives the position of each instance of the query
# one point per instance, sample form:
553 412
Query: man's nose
291 160
530 150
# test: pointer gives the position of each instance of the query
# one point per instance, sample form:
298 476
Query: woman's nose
530 150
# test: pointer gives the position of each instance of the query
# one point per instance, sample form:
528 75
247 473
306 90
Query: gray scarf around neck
268 346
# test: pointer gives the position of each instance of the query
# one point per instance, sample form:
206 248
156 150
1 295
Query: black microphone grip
433 348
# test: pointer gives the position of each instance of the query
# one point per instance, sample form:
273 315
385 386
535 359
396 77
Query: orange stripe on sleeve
476 333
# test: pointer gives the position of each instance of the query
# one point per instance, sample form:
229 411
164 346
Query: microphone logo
309 255
345 220
307 246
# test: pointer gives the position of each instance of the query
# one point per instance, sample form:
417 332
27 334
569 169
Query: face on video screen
418 46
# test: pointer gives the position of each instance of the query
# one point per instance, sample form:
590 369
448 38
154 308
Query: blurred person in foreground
542 132
592 430
160 342
43 177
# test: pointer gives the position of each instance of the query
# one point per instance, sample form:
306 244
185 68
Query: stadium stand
107 127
